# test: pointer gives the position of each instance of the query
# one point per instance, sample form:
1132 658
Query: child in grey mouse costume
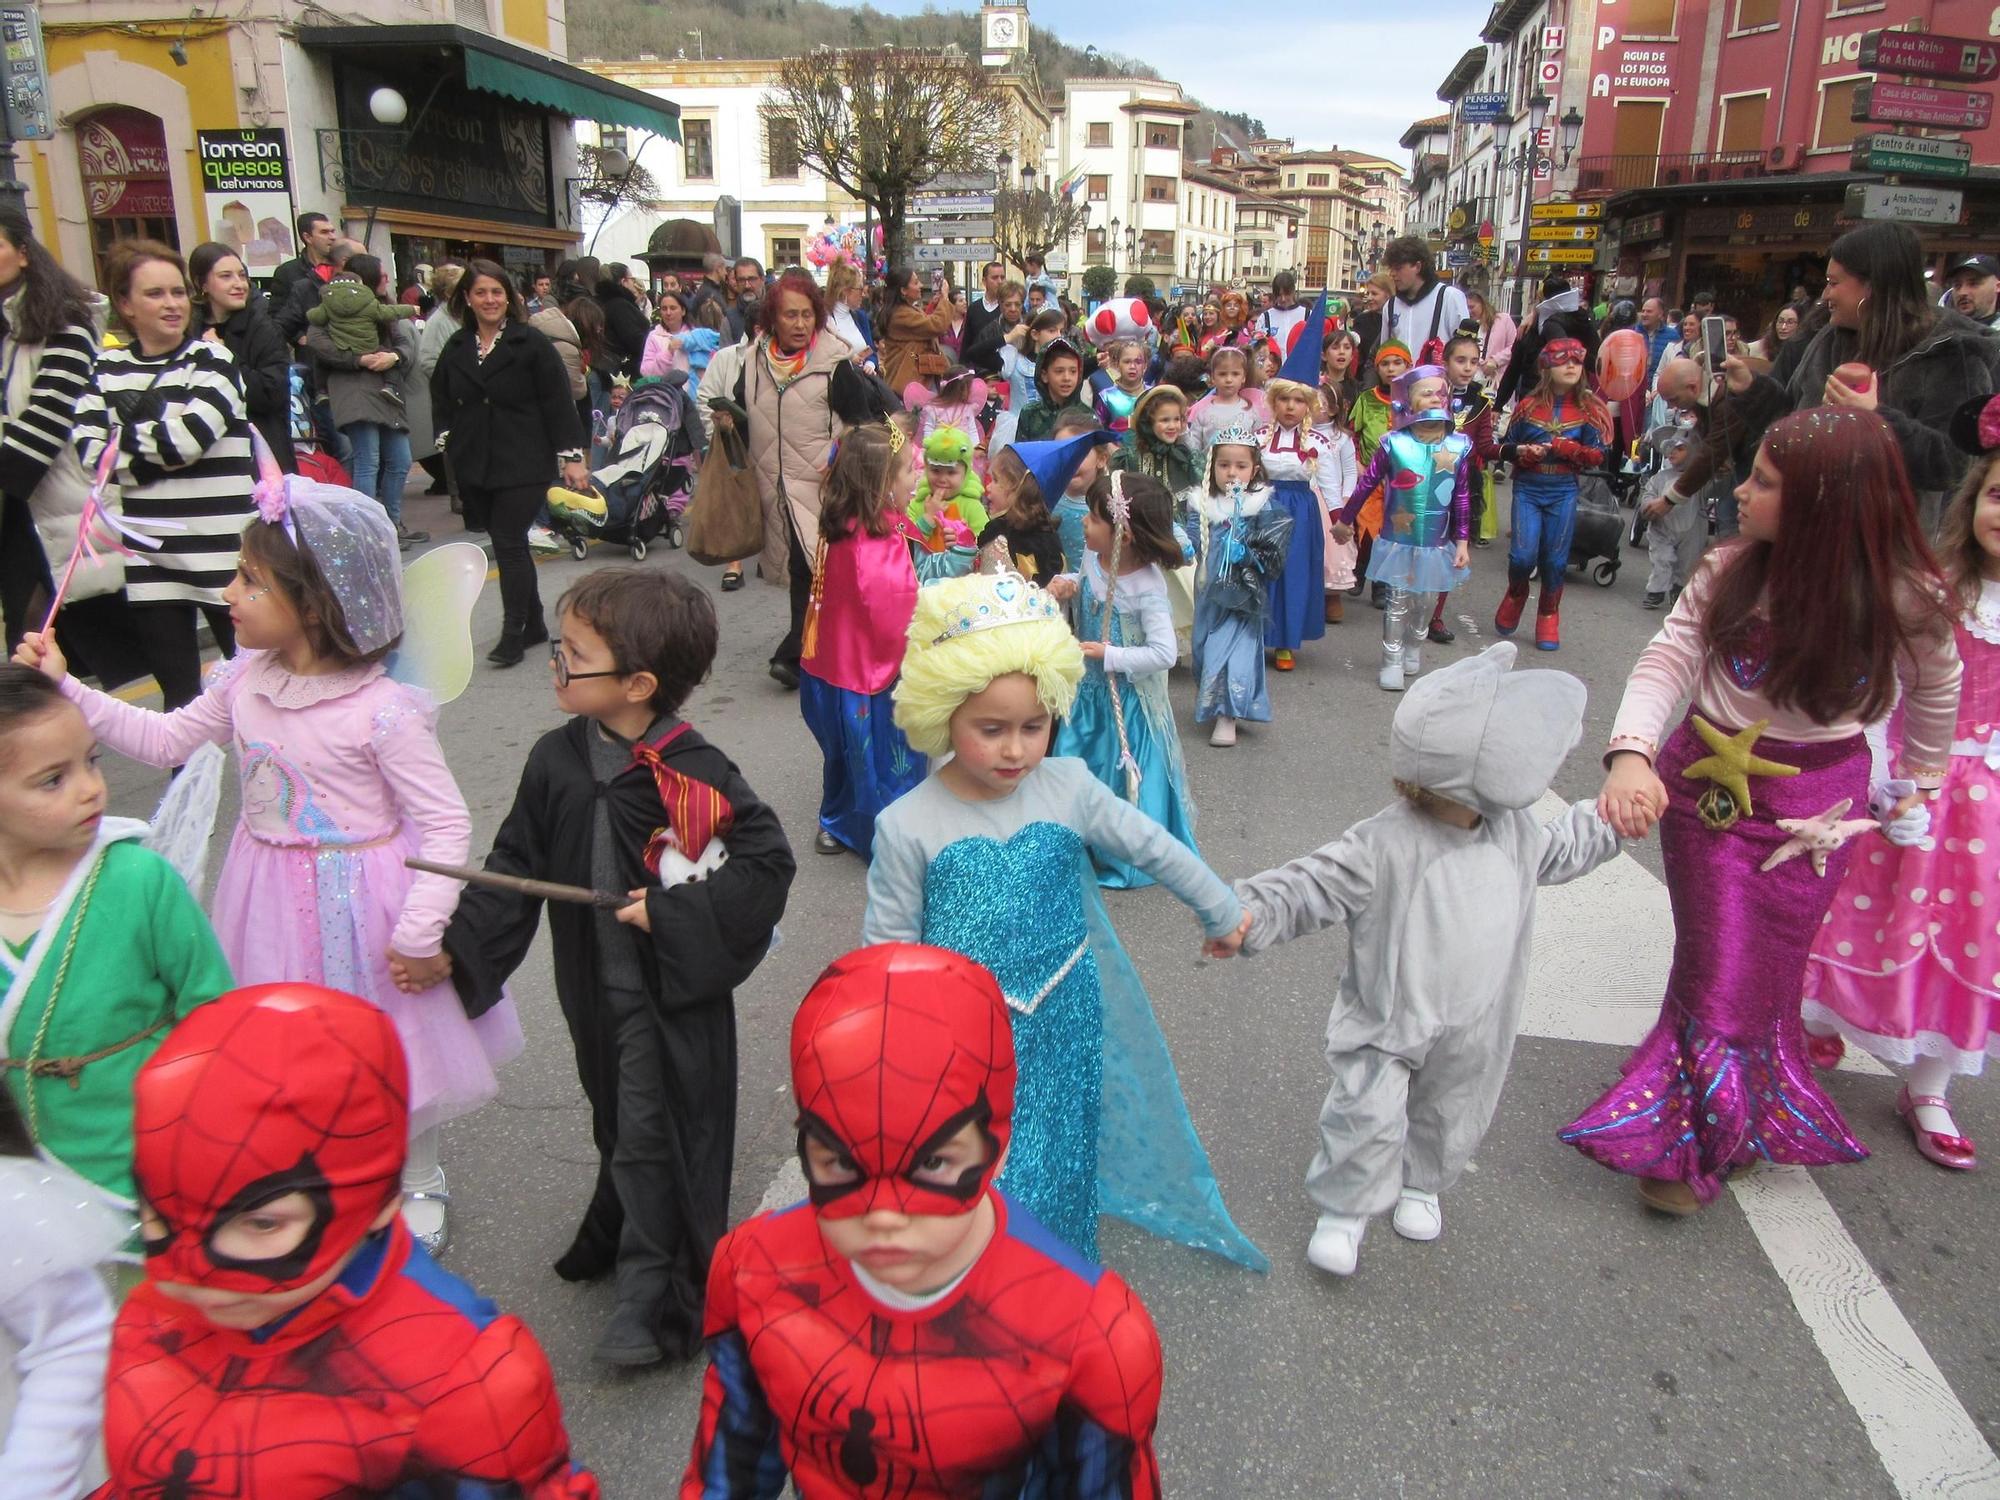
1438 891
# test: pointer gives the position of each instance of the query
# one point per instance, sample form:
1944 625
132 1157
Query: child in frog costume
949 488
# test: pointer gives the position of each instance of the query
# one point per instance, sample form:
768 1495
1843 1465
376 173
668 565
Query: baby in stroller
641 475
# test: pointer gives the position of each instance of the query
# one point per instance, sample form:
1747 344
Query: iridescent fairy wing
439 590
185 819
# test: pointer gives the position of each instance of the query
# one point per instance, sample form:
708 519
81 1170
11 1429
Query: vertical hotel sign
247 185
29 116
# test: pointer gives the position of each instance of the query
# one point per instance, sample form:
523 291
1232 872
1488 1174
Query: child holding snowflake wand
1788 642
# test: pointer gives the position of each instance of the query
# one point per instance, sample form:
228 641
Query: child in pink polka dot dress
1907 964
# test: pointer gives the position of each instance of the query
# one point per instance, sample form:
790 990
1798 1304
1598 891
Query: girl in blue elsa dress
991 857
1122 723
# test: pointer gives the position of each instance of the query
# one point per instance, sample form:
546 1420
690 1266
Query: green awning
576 94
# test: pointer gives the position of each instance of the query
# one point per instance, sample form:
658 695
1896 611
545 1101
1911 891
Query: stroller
315 460
1600 529
641 477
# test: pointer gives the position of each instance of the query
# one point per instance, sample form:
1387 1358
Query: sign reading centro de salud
1912 155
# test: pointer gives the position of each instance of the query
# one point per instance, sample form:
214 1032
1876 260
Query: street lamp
1132 247
1027 177
1005 162
1572 128
1111 244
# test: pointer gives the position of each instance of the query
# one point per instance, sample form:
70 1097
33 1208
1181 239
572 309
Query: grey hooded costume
1439 920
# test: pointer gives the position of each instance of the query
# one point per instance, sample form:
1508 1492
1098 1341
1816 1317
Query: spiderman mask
269 1091
895 1050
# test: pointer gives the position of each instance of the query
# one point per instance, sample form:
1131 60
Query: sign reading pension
246 180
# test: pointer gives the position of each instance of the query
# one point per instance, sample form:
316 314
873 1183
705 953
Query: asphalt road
1832 1335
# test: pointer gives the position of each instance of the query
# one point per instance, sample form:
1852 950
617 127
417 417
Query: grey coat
358 395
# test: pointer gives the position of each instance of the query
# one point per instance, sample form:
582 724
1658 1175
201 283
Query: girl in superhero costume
341 778
292 1339
627 796
102 948
1557 432
912 1330
991 857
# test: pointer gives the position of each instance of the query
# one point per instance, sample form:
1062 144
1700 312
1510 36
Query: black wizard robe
678 796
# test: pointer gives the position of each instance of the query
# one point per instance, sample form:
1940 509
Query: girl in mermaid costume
991 857
1787 642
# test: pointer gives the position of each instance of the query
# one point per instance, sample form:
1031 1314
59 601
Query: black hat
1975 426
1985 265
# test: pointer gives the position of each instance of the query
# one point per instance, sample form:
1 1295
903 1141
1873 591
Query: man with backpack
1424 312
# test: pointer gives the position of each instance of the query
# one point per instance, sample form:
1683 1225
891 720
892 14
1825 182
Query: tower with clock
1003 34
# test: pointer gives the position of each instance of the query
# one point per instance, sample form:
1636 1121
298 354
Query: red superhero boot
1507 618
291 1339
1548 619
908 1331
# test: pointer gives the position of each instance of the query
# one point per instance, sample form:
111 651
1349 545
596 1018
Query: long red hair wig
1848 586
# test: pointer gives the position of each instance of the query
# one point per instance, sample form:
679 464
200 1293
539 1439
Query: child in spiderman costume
627 797
292 1340
910 1330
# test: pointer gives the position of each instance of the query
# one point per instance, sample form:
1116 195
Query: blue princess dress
1099 1122
1143 646
1244 543
1302 469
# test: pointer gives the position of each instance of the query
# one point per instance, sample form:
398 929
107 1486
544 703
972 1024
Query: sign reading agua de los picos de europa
1638 66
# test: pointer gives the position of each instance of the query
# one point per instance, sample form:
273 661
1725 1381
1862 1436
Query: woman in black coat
236 317
500 398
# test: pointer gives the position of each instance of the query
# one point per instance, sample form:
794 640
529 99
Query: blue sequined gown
1099 1122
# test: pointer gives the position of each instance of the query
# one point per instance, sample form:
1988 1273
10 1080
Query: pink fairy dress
341 777
1907 964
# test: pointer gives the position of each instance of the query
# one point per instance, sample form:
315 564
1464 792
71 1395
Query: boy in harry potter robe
627 797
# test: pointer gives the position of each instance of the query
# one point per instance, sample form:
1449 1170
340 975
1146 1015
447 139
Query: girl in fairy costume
991 857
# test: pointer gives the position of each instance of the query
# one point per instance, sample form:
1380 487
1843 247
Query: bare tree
1034 221
883 121
612 181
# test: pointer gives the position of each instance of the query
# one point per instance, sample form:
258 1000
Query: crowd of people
1002 521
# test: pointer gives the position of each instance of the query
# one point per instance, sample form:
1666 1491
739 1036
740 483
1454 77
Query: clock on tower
1003 32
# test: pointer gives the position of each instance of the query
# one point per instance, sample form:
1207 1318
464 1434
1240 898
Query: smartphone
1715 340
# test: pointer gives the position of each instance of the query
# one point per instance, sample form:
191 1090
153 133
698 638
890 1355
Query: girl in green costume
102 946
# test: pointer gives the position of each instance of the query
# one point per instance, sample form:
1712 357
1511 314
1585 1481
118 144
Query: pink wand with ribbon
117 530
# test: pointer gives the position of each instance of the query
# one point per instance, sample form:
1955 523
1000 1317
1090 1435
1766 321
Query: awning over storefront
512 72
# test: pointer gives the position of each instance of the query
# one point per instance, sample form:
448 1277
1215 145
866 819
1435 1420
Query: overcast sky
1326 72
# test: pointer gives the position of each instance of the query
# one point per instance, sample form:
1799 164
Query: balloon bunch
851 243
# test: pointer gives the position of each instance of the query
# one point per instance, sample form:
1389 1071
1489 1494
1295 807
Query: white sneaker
1418 1216
1224 733
1335 1246
1390 679
541 539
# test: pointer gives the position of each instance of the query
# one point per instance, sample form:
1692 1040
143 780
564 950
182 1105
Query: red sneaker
1507 618
1548 632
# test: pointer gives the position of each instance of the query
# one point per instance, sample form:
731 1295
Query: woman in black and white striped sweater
184 456
49 326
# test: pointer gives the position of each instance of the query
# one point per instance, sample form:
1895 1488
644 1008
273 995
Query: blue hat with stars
1054 462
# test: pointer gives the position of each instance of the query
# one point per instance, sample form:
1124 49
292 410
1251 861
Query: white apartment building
1126 136
730 146
1211 219
1267 238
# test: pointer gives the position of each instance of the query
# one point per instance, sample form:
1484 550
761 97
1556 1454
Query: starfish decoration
1731 762
1818 836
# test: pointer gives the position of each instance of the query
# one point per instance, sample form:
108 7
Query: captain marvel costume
398 1379
1034 1373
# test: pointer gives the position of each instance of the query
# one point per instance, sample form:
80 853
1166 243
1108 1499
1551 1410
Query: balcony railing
1620 174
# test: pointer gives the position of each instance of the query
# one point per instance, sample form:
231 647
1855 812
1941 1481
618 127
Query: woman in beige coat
801 391
909 326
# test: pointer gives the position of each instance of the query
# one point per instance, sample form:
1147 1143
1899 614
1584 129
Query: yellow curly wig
1279 386
946 663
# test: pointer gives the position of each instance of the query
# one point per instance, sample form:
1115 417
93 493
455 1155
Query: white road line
1602 948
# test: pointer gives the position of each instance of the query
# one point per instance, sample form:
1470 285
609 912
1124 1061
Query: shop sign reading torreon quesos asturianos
1636 67
246 180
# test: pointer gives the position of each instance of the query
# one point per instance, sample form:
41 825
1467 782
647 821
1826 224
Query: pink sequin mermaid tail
1722 1079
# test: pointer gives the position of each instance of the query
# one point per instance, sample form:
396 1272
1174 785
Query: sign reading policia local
246 181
